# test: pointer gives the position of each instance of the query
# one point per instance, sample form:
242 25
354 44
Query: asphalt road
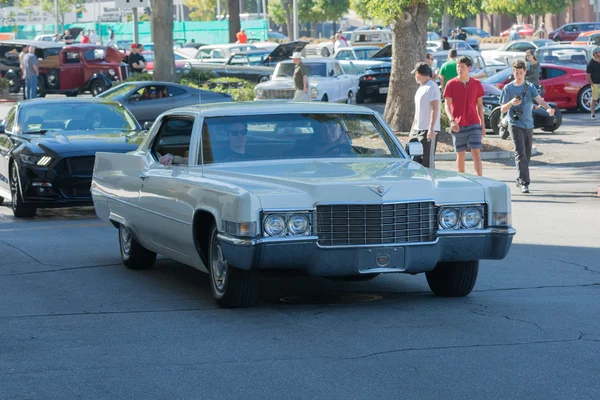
74 323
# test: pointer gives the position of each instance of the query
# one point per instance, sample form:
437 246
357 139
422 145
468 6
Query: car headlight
42 161
274 225
111 72
314 92
471 218
258 93
501 219
298 224
448 218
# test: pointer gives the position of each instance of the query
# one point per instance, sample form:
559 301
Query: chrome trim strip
477 232
96 192
385 202
269 240
402 244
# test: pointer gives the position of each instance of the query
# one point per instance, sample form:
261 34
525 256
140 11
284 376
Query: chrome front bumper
306 254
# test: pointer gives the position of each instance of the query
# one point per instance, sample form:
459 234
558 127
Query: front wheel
495 121
453 279
98 86
584 99
1 200
20 209
360 97
231 287
133 254
14 82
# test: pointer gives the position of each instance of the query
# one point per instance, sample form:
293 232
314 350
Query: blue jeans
31 87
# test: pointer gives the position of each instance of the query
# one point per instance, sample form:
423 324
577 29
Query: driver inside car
328 139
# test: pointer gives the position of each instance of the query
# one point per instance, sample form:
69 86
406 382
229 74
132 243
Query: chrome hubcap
14 187
125 236
586 99
218 269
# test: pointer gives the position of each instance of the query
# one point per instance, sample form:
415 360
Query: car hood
284 51
385 52
72 142
302 183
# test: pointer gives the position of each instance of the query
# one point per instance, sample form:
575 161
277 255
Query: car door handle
144 177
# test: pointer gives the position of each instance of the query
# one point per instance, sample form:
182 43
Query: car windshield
499 77
286 70
563 55
365 54
118 90
76 116
95 54
293 136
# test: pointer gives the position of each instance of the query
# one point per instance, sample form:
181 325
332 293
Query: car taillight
369 78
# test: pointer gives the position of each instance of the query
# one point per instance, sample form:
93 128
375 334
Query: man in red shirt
241 36
84 38
464 107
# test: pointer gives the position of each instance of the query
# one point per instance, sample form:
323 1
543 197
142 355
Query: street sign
132 3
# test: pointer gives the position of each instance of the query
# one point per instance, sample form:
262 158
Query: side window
71 57
554 73
337 69
203 54
175 91
149 93
568 28
238 60
527 46
174 137
513 47
344 55
217 54
9 121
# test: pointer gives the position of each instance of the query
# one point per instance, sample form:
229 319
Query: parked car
566 86
524 30
432 36
255 66
492 112
565 54
454 43
327 82
326 189
181 64
374 82
591 38
356 60
474 31
64 69
479 69
385 54
47 149
358 37
148 99
219 53
570 32
510 51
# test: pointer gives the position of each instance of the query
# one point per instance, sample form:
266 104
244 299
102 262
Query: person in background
300 78
68 39
464 107
30 73
137 62
429 60
534 69
541 33
513 34
461 34
445 43
84 38
193 40
22 54
448 69
593 77
340 41
426 123
111 37
241 36
453 34
56 38
92 36
517 100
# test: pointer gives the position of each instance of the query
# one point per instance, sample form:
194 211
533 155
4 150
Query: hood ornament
380 190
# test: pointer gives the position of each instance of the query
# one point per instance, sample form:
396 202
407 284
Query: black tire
360 97
53 79
263 79
557 124
325 98
41 88
1 200
325 52
231 287
453 279
133 254
98 86
14 82
19 208
350 99
495 121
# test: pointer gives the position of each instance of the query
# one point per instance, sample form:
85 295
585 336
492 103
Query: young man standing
517 100
448 69
300 78
464 107
426 124
593 78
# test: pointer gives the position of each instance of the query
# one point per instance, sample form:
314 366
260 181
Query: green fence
214 32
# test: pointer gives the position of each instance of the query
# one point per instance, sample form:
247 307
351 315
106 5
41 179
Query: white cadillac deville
327 82
323 188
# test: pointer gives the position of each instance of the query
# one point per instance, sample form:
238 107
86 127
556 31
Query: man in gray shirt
30 73
300 79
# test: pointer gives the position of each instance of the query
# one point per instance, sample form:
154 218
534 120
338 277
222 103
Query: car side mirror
147 125
414 149
134 98
2 128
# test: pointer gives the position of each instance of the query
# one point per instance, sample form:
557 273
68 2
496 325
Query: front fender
101 76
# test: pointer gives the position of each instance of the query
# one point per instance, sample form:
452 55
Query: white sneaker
593 116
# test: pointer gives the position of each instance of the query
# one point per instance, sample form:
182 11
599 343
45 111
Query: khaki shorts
595 91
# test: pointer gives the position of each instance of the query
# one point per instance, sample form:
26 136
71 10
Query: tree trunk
409 37
234 19
162 36
445 24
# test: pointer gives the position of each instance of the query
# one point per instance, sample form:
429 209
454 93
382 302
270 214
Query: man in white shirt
340 41
426 124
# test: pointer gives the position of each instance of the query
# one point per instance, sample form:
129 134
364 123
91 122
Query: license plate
383 257
383 90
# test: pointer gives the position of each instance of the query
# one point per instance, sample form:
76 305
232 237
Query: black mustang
48 148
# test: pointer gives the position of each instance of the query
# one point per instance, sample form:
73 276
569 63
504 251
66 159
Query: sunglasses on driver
238 132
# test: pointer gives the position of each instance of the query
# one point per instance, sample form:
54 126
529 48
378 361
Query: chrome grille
279 93
312 51
374 224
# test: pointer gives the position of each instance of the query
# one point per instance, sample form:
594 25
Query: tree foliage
526 7
64 6
203 10
361 8
280 11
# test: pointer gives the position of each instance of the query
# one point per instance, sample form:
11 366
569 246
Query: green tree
408 20
64 7
361 8
536 8
311 11
204 10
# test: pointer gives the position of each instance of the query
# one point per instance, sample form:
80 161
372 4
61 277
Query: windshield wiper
39 131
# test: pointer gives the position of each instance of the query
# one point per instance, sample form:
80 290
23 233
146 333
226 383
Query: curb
487 155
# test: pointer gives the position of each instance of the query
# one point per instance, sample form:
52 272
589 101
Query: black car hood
70 142
284 52
74 33
384 53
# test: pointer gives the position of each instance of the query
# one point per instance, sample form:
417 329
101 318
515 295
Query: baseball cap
596 50
134 46
422 68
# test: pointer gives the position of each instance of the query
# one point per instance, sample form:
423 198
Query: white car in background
357 60
327 81
511 51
